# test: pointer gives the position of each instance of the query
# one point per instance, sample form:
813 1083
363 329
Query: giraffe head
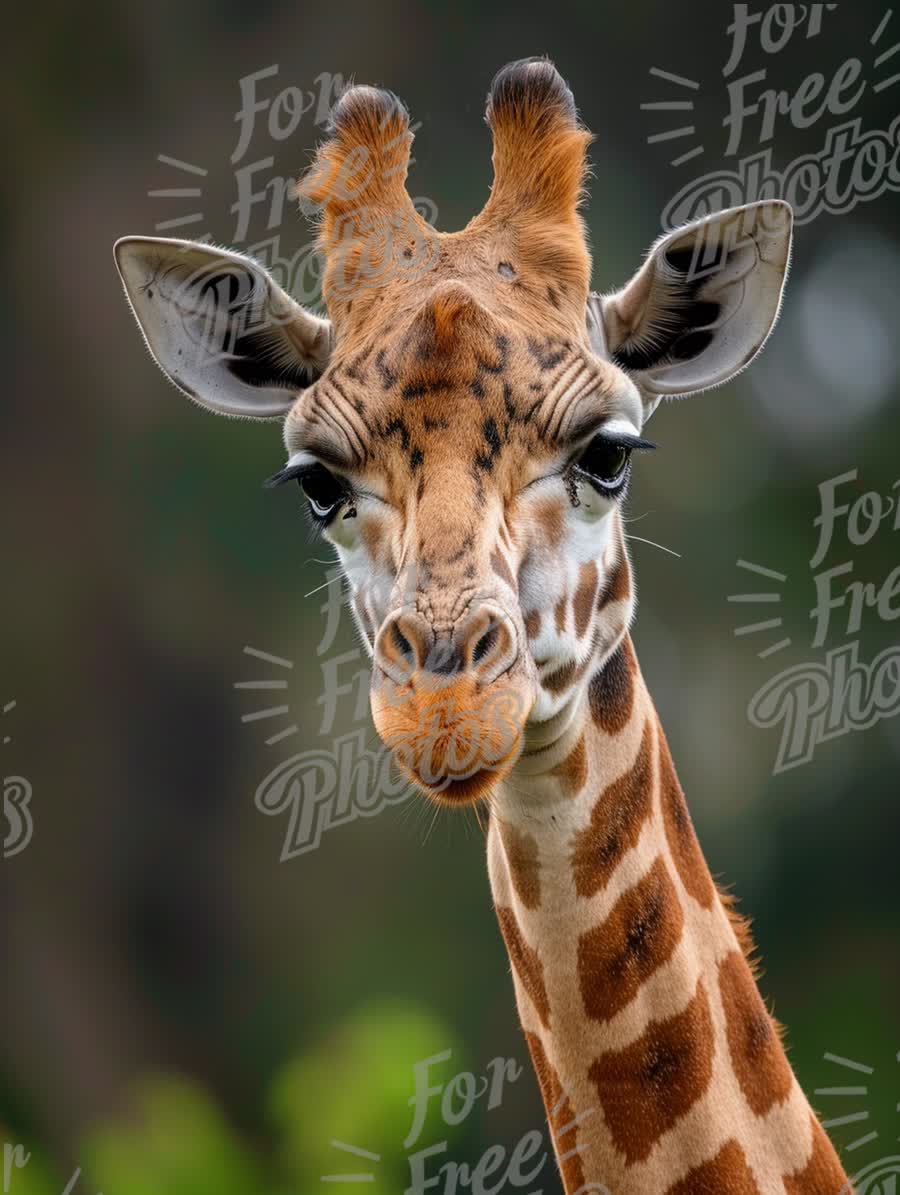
462 424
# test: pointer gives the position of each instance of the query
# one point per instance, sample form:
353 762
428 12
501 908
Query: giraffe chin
454 742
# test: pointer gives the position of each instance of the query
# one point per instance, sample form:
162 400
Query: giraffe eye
605 462
325 492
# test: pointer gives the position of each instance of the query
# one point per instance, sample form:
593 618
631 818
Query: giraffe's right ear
220 327
702 305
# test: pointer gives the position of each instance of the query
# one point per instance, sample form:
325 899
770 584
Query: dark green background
149 928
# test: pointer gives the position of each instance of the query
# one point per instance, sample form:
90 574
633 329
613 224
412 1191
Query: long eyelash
288 473
296 473
626 440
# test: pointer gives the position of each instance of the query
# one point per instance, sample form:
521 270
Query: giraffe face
462 423
469 471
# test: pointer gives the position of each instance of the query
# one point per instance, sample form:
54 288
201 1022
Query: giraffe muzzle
452 704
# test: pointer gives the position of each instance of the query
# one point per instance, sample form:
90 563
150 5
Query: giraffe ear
220 328
702 305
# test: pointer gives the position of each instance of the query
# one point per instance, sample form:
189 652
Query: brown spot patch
521 852
502 569
616 822
533 624
549 515
823 1174
560 613
680 832
526 962
611 691
560 1114
567 674
583 602
646 1088
572 771
638 937
617 586
756 1052
727 1172
373 537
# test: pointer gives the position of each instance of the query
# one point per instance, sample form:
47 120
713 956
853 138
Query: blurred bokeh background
182 1011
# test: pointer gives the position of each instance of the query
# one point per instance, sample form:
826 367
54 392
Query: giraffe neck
659 1065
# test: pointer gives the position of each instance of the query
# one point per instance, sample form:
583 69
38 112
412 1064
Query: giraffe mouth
454 742
465 790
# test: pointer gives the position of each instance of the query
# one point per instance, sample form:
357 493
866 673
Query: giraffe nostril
484 645
402 644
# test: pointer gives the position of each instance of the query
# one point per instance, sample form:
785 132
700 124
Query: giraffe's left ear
702 305
220 327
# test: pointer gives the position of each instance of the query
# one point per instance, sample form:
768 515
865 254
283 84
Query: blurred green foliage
353 1087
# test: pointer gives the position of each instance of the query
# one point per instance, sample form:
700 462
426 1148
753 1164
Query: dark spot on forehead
494 443
502 345
548 353
508 404
421 385
488 367
355 369
397 427
431 424
388 377
415 458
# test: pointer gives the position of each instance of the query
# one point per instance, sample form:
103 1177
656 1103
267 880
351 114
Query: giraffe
462 426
